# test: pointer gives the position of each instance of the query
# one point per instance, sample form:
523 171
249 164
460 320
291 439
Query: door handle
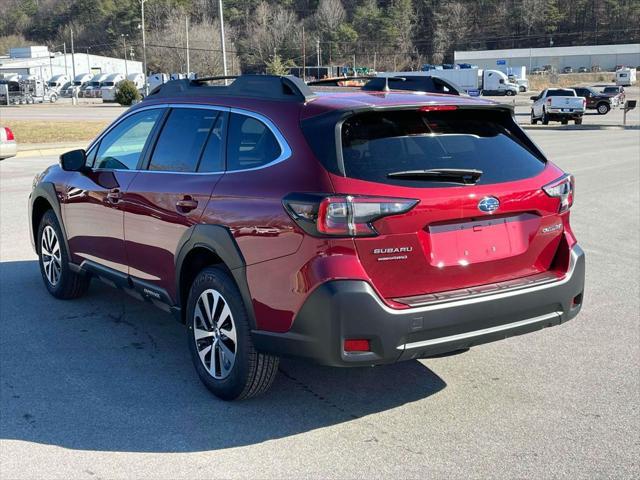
114 195
186 204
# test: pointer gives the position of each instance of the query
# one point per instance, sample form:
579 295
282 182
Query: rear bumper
350 309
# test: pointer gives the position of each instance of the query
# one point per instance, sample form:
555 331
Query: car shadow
106 372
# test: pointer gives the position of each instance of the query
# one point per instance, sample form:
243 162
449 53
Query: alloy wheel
50 253
214 332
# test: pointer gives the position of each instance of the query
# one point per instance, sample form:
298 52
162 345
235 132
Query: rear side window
182 140
379 143
561 93
250 143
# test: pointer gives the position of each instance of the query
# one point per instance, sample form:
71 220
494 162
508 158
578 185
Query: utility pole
124 45
224 50
318 59
73 56
304 56
88 62
64 49
186 29
144 49
375 54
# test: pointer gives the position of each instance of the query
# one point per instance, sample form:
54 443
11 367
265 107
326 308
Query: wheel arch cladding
44 198
206 245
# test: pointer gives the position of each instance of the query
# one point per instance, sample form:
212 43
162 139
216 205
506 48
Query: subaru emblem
489 204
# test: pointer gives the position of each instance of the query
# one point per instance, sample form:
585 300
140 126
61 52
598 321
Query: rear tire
60 280
564 121
545 118
578 121
219 337
509 93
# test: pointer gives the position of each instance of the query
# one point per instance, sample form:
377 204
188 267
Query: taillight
564 189
549 101
10 136
343 215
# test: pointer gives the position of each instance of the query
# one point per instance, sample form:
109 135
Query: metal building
41 63
607 57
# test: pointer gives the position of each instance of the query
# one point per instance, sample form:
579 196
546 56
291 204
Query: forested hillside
394 34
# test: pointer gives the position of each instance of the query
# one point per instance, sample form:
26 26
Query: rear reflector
357 345
438 108
10 136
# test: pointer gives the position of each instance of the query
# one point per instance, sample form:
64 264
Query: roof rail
267 87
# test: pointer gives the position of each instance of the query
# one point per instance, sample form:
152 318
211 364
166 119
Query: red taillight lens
564 189
438 108
352 216
343 215
357 345
10 136
548 101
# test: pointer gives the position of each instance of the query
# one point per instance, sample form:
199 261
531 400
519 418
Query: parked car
538 71
275 221
567 70
8 145
615 92
583 70
596 100
557 105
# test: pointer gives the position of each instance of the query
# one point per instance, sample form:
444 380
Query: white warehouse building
607 57
38 61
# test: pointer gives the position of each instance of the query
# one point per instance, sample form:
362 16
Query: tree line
380 34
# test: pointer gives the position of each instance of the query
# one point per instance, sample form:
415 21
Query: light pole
224 50
144 49
124 45
186 31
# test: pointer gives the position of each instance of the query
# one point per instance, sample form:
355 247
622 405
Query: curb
42 152
579 127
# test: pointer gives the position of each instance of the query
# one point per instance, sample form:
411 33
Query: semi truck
474 81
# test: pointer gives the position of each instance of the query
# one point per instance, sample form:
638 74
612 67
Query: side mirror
534 98
73 161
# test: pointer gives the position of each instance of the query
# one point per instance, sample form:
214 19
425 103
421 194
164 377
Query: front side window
182 140
250 144
120 149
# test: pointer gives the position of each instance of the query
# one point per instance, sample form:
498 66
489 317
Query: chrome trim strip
285 149
480 333
576 251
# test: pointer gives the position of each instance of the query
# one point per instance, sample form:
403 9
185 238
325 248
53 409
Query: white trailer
474 81
626 77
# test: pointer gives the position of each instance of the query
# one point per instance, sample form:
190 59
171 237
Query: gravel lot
103 387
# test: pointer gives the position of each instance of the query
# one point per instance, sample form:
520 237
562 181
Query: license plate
481 241
566 109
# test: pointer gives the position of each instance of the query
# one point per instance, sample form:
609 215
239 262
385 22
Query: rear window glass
561 93
377 144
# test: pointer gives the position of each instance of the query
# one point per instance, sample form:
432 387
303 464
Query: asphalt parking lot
103 387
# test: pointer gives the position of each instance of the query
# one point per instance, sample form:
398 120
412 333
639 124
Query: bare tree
330 15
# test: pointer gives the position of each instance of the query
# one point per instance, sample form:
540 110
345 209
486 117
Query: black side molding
219 241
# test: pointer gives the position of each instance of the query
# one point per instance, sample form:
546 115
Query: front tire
603 108
534 120
509 93
60 280
219 337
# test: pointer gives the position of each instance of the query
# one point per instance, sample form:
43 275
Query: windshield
107 84
77 84
561 93
53 84
375 144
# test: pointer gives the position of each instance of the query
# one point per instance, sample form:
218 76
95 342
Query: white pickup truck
557 105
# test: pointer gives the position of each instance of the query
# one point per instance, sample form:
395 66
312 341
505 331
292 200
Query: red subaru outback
351 229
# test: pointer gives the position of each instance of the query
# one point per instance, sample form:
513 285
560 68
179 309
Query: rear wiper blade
456 175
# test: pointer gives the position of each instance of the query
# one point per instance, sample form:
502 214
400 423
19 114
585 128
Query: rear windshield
611 90
561 93
376 144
